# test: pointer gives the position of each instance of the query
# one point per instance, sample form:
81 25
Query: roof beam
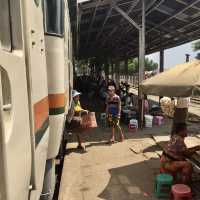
92 4
167 13
173 33
105 20
173 16
181 1
129 11
126 17
92 21
152 6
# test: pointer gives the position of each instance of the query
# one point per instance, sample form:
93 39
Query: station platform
122 171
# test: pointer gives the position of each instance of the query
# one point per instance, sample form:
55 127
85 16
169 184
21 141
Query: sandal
79 147
111 142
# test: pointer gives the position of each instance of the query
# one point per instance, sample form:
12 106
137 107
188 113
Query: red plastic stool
132 128
181 192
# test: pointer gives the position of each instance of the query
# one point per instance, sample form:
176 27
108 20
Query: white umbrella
180 81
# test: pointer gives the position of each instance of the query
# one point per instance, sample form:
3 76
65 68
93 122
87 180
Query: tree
196 47
133 65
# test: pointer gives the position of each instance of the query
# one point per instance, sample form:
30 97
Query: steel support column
126 69
112 70
161 67
117 74
106 68
161 54
141 66
187 57
141 55
161 60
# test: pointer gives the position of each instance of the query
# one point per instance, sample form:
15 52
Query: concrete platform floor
122 171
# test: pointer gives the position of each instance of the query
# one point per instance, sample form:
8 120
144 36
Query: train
36 65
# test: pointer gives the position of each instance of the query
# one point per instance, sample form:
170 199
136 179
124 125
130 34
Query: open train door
15 143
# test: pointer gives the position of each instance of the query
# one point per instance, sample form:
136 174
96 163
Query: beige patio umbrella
180 81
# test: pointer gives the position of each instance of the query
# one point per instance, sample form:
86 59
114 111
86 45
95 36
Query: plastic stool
181 192
163 185
158 120
132 128
103 119
103 116
164 171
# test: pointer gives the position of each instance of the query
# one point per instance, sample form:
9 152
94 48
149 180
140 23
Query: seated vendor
134 103
174 155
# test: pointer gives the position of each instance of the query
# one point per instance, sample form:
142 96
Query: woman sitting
173 158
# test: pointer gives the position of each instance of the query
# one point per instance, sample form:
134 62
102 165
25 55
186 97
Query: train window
54 17
5 33
10 25
6 97
16 25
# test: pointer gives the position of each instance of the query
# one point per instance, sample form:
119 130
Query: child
113 111
173 158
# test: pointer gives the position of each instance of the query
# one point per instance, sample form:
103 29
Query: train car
35 83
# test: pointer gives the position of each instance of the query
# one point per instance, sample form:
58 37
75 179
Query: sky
175 55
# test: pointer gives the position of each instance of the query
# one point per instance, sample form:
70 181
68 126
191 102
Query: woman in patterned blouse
175 152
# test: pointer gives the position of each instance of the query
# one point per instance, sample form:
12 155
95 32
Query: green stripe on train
56 111
40 133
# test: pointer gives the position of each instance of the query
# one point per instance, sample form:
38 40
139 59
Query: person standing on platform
181 112
113 111
73 118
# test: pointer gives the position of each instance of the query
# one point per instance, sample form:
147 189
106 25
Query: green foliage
198 56
82 66
196 47
133 65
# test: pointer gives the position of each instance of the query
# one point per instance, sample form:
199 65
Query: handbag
89 120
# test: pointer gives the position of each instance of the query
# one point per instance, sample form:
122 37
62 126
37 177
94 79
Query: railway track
195 100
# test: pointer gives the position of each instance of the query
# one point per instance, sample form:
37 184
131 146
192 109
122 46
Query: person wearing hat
73 117
113 111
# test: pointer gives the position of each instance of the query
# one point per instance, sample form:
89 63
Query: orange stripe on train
56 100
41 113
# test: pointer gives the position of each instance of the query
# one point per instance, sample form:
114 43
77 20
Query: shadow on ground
130 182
156 147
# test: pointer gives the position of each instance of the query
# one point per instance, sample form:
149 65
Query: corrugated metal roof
103 31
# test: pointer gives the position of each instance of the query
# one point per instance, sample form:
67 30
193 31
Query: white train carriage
35 83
